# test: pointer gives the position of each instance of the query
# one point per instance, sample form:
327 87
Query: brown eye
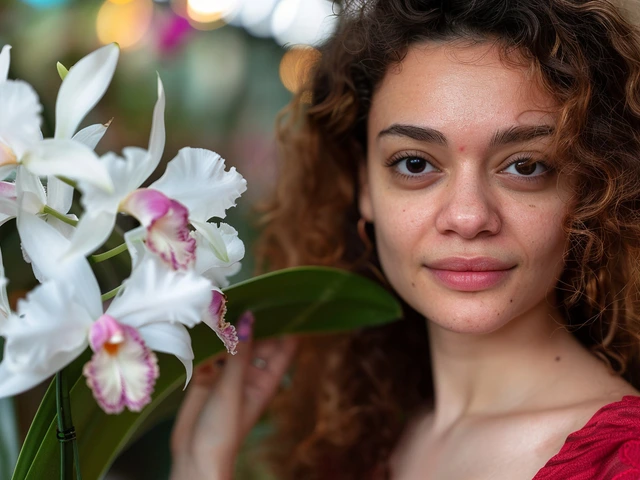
527 168
416 165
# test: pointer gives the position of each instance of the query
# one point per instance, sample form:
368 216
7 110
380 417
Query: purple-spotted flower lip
122 372
215 319
167 225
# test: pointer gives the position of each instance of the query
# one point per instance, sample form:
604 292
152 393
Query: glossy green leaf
298 300
9 442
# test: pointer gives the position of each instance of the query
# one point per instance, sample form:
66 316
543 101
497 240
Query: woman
490 150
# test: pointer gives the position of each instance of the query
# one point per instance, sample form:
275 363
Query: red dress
606 448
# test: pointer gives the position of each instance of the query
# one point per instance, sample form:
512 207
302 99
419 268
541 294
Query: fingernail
244 327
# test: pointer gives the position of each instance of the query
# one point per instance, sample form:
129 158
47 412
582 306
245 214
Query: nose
468 208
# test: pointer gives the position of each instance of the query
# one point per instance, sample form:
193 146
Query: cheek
400 226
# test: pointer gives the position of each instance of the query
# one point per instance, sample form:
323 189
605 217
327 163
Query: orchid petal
156 140
123 370
19 118
5 60
59 194
134 239
48 333
47 248
8 201
154 293
197 179
83 87
69 159
91 135
65 229
172 338
93 229
219 276
222 241
5 310
12 383
218 253
30 193
120 170
214 318
7 170
167 223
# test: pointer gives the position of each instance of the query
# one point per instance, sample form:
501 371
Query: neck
499 372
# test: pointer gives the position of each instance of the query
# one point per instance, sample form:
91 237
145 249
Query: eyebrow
515 134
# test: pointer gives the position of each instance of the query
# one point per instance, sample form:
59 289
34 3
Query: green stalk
68 181
101 257
110 294
66 430
54 213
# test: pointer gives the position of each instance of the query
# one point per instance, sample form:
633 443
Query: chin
476 318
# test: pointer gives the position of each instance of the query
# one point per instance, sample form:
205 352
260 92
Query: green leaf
9 441
297 300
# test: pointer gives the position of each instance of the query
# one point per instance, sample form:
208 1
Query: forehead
455 88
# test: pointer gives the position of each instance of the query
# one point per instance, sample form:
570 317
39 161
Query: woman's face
461 188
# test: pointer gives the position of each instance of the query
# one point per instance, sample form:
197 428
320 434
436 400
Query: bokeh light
207 11
307 22
296 65
45 3
124 23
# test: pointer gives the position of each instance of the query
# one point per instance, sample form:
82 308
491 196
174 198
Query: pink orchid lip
167 224
122 371
215 320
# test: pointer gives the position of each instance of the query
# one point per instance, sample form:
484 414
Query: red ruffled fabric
606 448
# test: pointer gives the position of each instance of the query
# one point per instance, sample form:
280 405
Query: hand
225 399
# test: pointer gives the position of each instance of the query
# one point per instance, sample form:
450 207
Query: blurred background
228 68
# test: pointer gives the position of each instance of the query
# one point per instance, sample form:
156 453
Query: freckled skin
470 208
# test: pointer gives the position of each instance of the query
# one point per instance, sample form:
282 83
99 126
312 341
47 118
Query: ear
364 196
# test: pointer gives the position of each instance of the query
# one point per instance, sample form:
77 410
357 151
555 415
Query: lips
470 274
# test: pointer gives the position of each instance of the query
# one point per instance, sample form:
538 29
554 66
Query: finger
261 384
233 375
198 392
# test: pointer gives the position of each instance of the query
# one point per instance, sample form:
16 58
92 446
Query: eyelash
399 157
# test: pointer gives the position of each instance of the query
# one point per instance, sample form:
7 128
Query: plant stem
101 257
63 218
68 181
66 430
110 294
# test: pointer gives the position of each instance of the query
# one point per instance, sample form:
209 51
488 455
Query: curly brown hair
352 394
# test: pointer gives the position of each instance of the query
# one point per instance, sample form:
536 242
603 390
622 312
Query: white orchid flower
194 188
198 180
64 315
215 314
127 174
21 141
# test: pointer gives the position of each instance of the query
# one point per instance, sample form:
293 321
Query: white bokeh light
211 10
307 22
254 16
